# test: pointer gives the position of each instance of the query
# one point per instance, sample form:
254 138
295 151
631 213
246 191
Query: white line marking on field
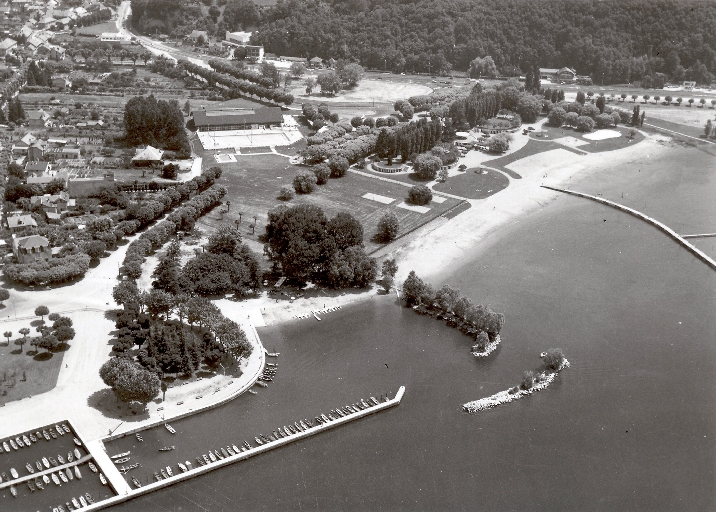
376 197
414 208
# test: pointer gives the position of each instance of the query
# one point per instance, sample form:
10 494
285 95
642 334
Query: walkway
697 252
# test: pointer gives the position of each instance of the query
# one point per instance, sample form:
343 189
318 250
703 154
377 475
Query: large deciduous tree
129 381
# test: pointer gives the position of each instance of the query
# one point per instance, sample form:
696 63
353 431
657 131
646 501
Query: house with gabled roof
148 156
17 223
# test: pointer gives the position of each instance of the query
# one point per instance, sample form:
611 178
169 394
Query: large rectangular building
250 119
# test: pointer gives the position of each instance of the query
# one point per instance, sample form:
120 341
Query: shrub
604 120
616 118
356 121
286 193
571 119
499 143
388 227
304 182
585 124
557 116
322 172
589 110
553 358
420 195
528 380
369 122
339 166
624 117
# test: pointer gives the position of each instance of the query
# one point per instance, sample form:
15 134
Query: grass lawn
95 30
473 185
593 146
531 148
41 370
254 183
252 151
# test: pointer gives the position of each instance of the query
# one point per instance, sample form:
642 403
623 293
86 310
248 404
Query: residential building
86 187
37 118
28 249
6 45
241 39
61 82
148 156
240 119
567 75
54 203
17 223
37 168
316 62
196 34
113 36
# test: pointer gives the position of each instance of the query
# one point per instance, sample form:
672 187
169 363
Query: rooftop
237 117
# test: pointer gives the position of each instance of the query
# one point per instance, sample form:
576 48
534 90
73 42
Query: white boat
12 443
77 454
6 446
55 479
29 467
75 503
188 466
13 490
120 455
19 442
169 471
70 457
39 465
59 430
102 479
77 472
62 476
83 501
26 440
69 473
235 448
13 472
46 479
46 435
65 428
92 467
182 467
170 428
46 462
60 459
121 461
212 457
77 442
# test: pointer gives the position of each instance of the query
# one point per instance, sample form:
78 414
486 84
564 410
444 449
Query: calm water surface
630 426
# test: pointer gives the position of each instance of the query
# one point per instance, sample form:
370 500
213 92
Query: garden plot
602 135
376 197
542 161
225 158
414 208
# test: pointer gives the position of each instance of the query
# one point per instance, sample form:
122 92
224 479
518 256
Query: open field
590 142
473 185
366 91
254 183
41 370
98 29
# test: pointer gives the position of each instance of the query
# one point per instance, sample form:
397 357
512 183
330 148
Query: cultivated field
110 26
254 182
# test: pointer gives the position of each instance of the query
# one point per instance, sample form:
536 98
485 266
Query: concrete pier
129 493
666 229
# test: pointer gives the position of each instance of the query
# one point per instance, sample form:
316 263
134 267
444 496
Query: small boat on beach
92 467
120 455
13 472
29 468
60 459
89 498
69 474
170 428
167 448
55 480
77 472
26 440
77 441
77 454
121 461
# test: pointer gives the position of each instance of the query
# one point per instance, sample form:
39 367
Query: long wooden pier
200 470
666 229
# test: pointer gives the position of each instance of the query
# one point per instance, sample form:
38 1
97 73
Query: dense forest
611 40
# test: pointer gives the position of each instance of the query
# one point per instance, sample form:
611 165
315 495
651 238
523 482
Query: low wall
248 454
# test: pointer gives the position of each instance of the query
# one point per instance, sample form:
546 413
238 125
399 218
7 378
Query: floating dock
129 493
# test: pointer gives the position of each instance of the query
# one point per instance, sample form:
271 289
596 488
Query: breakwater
666 229
512 394
200 470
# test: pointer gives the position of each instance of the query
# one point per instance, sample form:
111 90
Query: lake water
630 426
